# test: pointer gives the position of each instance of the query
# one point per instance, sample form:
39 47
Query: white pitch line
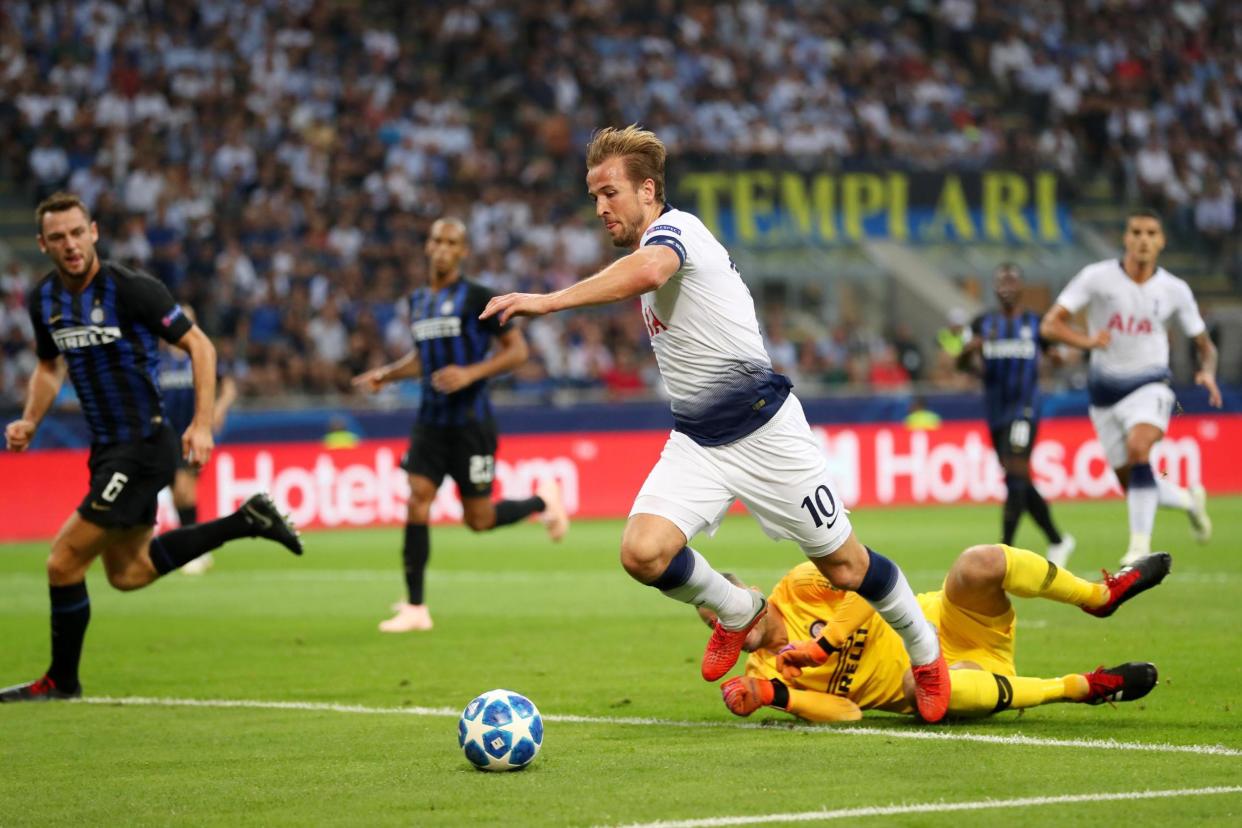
943 734
933 808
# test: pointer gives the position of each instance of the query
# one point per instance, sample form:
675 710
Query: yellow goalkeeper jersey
869 667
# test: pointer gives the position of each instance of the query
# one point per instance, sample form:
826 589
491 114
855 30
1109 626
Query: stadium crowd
277 162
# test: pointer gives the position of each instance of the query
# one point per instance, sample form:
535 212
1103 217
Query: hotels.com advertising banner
600 473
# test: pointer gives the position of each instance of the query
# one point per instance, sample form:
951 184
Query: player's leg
1017 465
683 495
185 500
1145 415
1142 495
982 693
1007 438
983 577
473 468
413 615
185 496
257 517
781 475
75 546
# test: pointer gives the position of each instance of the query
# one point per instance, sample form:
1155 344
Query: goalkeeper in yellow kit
825 656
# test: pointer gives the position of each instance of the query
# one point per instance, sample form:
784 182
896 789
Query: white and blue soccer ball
500 731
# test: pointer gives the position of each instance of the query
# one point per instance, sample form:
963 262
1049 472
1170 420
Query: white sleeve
669 232
1188 318
1077 293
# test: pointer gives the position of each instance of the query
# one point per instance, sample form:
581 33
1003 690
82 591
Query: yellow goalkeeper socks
978 692
1028 575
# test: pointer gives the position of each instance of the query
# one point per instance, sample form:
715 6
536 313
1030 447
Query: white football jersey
706 337
1137 316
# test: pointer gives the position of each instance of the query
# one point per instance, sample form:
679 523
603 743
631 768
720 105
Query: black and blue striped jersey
447 331
109 336
1011 352
176 379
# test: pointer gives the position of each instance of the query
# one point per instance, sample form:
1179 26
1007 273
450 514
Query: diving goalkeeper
844 659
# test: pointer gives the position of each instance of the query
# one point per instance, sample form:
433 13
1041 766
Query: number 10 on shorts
822 506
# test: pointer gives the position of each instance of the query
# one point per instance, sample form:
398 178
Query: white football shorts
779 472
1151 403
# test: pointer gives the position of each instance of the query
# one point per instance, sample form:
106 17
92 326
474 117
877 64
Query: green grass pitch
565 625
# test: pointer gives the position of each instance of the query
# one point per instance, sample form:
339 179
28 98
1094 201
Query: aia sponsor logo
1133 325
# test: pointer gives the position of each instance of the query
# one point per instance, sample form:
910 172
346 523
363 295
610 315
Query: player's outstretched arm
511 353
646 269
408 367
41 391
197 443
1056 327
1206 375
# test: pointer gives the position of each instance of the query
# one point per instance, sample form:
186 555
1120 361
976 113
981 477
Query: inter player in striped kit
176 381
1130 303
104 323
739 433
1007 343
455 433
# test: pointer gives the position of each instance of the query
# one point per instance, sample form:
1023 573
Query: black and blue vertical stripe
466 344
1011 366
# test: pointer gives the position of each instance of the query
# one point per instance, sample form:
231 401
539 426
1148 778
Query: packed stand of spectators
278 162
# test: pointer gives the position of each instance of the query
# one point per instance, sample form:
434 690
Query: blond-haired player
845 659
739 433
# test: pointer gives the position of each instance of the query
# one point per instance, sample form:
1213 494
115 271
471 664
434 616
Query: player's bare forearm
967 360
41 391
1055 327
203 363
512 353
642 271
1206 375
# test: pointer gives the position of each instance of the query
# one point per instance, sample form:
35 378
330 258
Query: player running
176 381
455 433
1008 344
739 433
104 322
844 659
1130 303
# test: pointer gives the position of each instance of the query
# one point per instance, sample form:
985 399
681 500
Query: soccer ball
500 731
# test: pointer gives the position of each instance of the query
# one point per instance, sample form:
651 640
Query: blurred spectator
262 157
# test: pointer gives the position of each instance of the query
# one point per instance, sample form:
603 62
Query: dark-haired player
1005 349
455 433
1130 303
103 322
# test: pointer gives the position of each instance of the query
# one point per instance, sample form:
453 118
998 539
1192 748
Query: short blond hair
642 151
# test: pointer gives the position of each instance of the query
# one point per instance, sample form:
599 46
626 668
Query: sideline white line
932 808
945 734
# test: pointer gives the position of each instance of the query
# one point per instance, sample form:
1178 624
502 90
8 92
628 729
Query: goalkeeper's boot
266 521
724 646
1128 682
43 689
744 695
1129 581
931 689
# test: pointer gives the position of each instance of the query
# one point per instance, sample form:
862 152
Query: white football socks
735 606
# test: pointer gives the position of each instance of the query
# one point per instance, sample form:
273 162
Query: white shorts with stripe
1151 404
778 472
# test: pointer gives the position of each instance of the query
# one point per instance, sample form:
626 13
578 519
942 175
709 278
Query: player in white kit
739 433
1130 303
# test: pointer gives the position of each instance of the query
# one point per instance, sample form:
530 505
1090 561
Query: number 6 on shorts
118 481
